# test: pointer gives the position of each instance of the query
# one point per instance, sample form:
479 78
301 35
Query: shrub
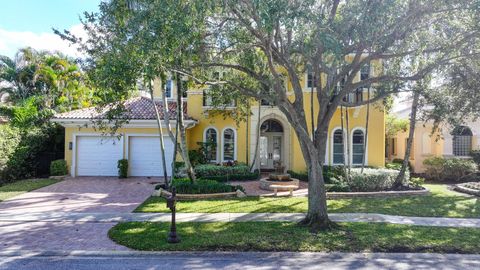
207 170
122 168
197 157
58 167
329 172
184 186
416 182
27 159
448 169
234 177
373 179
393 166
476 156
9 139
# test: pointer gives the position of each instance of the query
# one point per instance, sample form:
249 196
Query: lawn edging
164 193
467 190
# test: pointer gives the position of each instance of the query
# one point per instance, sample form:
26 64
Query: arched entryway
271 146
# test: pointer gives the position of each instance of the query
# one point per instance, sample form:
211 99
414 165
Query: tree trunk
160 131
365 141
166 118
317 215
181 127
413 121
257 142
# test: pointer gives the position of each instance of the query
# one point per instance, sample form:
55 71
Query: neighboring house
88 153
446 141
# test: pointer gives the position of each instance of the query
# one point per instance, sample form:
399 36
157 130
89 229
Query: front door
270 150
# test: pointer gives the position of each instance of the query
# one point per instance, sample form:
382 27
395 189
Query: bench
289 187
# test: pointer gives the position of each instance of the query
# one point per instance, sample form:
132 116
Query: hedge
373 179
208 170
10 137
448 169
329 172
234 177
122 166
184 186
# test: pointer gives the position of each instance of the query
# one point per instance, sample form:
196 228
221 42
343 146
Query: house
445 141
89 153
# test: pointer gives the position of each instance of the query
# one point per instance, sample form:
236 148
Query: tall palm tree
17 75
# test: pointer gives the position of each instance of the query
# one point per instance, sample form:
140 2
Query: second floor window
365 72
312 79
168 88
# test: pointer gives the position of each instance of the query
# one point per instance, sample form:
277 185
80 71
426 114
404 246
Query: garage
145 158
98 155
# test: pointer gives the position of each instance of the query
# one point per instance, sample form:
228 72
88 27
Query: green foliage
197 157
329 173
207 170
476 156
394 125
122 168
416 182
10 137
26 159
234 177
393 166
185 186
448 169
58 167
373 179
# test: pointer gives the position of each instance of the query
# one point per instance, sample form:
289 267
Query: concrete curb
235 217
222 254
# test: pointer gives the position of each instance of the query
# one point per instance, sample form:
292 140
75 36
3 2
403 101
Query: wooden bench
289 187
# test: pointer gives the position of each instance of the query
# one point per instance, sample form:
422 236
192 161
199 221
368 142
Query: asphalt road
221 260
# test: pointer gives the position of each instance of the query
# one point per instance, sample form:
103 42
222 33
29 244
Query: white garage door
98 156
145 158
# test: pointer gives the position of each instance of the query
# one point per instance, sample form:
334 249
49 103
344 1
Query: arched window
228 144
210 144
358 140
338 147
462 141
271 125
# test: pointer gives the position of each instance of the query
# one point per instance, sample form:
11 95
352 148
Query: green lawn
13 189
441 203
287 236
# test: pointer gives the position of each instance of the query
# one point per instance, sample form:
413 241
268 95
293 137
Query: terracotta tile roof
140 108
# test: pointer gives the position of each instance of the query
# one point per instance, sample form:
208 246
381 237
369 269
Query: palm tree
17 75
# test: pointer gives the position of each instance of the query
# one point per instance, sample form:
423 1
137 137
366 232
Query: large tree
270 41
261 44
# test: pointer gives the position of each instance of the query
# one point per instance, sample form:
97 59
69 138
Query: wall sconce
70 146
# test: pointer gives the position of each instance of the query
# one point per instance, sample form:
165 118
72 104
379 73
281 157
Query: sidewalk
234 217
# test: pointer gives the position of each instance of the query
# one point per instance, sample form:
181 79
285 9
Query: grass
287 236
13 189
441 203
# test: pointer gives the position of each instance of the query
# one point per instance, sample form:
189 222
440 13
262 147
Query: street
226 260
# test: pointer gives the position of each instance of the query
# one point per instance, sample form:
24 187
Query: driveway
83 194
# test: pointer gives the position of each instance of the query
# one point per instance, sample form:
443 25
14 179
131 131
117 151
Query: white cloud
11 41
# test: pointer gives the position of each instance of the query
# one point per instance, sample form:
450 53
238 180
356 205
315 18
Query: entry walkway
106 217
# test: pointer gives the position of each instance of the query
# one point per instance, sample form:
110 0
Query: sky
29 23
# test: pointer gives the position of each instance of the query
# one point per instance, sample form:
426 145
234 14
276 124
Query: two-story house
88 153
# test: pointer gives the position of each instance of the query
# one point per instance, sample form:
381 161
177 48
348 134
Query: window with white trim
229 144
210 144
462 141
358 140
312 80
338 149
168 88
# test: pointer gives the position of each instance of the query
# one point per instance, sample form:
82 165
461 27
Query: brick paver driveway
83 194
